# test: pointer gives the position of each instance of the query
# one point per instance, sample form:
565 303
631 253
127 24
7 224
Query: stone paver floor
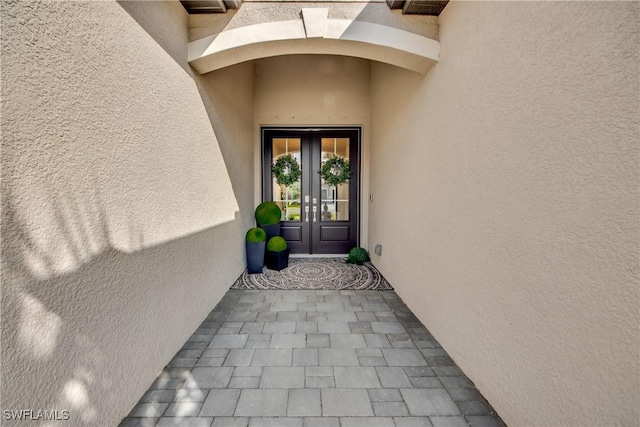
312 358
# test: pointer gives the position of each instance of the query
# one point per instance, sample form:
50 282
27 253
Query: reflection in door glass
334 199
287 197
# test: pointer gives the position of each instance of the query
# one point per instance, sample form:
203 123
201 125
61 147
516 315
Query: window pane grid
287 197
334 200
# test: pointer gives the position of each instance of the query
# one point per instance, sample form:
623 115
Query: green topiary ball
256 235
358 256
268 213
276 244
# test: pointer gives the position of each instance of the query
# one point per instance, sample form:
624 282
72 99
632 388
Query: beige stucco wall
313 90
505 191
125 184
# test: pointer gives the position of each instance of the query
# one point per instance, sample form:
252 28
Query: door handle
315 209
306 213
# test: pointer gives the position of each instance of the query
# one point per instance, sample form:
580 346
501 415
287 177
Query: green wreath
335 171
286 170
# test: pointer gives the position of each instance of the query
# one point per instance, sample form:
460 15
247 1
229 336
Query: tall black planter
277 260
255 256
271 230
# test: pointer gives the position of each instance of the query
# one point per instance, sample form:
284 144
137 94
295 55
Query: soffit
209 6
409 7
417 7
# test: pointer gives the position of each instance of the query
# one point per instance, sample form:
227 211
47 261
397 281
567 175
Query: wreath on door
335 171
286 170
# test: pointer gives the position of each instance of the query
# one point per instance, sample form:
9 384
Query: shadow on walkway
312 358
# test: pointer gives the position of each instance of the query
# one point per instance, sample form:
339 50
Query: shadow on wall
70 301
234 127
49 325
115 241
78 225
167 38
227 96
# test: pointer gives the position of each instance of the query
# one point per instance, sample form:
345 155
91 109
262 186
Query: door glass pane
334 200
287 197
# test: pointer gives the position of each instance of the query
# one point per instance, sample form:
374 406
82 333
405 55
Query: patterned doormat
316 273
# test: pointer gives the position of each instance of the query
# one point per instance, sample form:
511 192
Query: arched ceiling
330 30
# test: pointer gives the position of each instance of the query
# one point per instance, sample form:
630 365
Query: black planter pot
271 230
255 256
277 260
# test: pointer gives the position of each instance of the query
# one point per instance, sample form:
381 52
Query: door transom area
318 218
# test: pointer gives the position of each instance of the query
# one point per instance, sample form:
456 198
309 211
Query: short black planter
277 260
271 230
255 256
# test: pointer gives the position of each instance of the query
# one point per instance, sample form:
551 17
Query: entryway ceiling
210 6
367 30
417 7
409 7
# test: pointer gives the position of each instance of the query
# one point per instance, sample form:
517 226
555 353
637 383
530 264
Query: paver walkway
312 358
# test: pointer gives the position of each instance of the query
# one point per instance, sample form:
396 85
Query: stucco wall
505 191
125 184
317 90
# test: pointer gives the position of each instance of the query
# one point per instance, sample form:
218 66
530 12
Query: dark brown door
318 218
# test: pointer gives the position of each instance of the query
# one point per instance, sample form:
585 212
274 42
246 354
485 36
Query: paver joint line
312 358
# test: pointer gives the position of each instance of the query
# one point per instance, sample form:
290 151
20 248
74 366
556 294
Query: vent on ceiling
418 7
210 6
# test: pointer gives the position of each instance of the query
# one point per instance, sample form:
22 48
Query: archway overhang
315 34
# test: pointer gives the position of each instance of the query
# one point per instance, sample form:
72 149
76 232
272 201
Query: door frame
266 185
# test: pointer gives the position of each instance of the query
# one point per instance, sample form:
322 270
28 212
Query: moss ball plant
358 256
276 244
256 235
268 213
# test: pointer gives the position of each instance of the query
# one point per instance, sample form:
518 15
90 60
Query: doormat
316 274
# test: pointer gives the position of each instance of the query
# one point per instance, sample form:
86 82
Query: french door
317 218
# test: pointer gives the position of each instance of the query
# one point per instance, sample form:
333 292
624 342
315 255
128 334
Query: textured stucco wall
125 180
316 90
506 197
